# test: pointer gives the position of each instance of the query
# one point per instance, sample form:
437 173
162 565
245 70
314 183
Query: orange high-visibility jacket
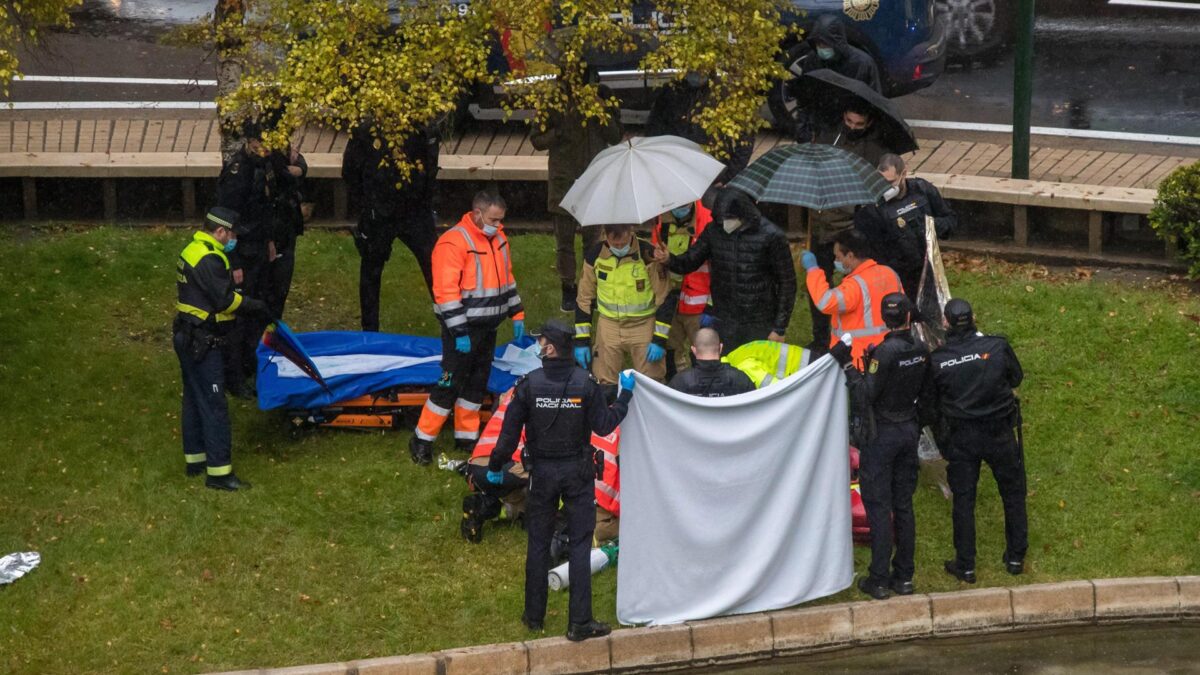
473 283
854 304
491 432
694 290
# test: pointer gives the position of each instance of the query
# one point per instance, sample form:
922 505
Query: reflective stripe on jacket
473 283
630 287
694 287
203 282
608 488
854 304
766 362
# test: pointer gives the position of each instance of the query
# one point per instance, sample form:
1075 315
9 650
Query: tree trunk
229 74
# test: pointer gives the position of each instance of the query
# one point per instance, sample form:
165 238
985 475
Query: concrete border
792 632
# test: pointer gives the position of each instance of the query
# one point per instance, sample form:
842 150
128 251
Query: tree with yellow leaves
21 24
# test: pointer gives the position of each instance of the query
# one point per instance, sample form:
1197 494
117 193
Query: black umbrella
825 86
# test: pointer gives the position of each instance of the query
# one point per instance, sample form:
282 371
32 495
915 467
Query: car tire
976 30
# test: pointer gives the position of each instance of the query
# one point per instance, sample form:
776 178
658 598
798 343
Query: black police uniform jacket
247 185
896 377
896 229
713 379
973 376
559 406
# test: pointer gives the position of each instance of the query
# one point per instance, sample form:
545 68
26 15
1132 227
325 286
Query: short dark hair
484 200
893 162
859 107
852 241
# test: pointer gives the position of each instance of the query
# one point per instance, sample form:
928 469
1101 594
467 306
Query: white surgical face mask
891 193
731 224
619 251
490 230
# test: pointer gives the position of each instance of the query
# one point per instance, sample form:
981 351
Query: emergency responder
859 135
752 272
894 378
247 186
206 307
628 289
854 304
559 406
486 501
392 207
710 377
972 378
473 292
895 227
680 227
572 141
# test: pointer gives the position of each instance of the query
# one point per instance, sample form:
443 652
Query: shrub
1176 214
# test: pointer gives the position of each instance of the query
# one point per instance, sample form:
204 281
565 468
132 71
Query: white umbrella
639 179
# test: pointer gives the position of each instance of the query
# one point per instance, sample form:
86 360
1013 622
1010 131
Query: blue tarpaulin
354 364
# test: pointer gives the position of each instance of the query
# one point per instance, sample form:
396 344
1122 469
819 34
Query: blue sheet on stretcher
354 364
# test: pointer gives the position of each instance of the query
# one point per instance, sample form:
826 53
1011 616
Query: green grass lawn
344 549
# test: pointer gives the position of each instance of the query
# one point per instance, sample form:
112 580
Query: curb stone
797 631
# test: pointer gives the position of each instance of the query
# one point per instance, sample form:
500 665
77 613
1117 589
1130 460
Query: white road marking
1055 131
70 79
108 105
1155 4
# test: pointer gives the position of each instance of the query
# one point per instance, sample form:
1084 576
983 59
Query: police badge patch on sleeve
874 367
860 10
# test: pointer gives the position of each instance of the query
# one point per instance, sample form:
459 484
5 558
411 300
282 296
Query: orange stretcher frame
392 409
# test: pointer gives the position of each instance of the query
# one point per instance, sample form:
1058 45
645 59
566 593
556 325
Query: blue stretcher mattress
355 364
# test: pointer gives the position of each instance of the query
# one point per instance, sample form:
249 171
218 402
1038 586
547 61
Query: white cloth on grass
734 505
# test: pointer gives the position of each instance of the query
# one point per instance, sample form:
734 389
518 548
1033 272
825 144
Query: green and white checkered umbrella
807 174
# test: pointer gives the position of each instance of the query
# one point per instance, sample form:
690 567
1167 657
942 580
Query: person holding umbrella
628 289
753 279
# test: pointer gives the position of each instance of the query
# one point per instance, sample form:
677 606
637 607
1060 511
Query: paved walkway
170 133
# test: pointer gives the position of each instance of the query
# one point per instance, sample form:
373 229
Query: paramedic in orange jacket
682 226
473 293
854 304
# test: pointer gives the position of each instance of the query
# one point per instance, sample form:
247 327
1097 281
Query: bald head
706 345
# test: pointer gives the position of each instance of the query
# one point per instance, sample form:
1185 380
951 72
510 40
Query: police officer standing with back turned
559 405
206 307
973 377
894 379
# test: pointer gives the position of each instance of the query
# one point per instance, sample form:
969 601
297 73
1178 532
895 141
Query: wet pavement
1131 71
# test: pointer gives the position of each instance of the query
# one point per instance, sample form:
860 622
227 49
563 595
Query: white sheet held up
734 505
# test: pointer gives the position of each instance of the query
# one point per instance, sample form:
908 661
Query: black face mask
854 134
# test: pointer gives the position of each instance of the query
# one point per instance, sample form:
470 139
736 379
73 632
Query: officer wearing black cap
559 406
894 381
247 185
206 307
973 377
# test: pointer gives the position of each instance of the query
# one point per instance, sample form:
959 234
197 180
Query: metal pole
1022 89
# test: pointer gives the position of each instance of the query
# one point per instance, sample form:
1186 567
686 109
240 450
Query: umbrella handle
808 227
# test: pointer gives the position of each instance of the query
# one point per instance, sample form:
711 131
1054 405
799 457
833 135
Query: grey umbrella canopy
817 176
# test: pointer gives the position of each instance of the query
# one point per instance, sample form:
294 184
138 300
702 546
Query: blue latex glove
707 320
518 329
808 260
583 356
495 477
462 343
627 381
654 353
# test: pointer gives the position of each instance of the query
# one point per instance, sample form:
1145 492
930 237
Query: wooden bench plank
119 133
1070 172
20 139
923 153
103 140
1134 179
1043 193
340 140
1045 162
982 157
52 142
37 136
166 139
1135 167
212 138
1001 166
1155 176
1055 172
183 136
1103 166
6 135
150 136
946 156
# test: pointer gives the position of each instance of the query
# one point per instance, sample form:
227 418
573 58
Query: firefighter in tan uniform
628 290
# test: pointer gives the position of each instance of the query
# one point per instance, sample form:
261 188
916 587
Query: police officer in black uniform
710 377
894 380
973 377
895 226
206 307
247 186
559 406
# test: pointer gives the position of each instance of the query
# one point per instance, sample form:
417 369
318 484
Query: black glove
598 463
841 353
254 307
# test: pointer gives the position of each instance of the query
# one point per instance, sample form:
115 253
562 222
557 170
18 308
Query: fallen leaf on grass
1078 543
206 575
1029 289
166 624
1062 503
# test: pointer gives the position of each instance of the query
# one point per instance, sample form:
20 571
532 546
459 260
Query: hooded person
676 111
835 52
752 277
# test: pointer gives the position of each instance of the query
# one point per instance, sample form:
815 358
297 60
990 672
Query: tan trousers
683 331
608 526
615 339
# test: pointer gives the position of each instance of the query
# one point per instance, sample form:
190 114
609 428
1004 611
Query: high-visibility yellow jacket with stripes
473 283
854 305
766 362
204 284
630 287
